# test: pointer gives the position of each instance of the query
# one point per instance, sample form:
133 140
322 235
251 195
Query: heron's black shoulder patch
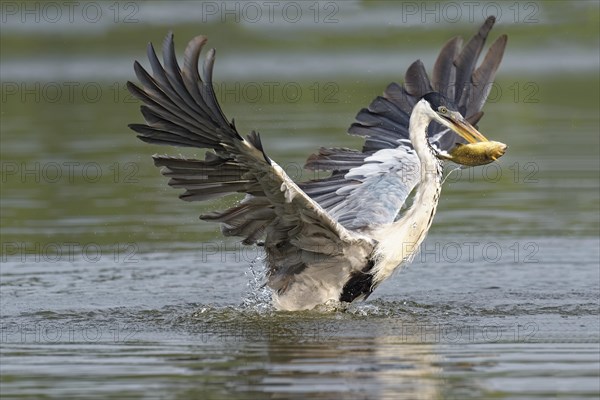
359 284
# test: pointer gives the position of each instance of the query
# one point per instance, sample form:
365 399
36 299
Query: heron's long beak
462 127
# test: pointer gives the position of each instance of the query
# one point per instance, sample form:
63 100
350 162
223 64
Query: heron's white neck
399 241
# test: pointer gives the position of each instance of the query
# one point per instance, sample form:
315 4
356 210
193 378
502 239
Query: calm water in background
112 288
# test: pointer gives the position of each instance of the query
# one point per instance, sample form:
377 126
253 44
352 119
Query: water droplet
414 225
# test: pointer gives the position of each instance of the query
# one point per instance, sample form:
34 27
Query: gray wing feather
466 61
484 75
384 181
334 159
181 109
399 96
444 71
416 81
361 196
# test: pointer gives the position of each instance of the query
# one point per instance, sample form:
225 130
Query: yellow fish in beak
479 150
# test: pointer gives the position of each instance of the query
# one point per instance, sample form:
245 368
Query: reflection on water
112 288
473 329
241 355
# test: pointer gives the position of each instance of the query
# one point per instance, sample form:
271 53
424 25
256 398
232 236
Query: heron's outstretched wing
370 186
180 109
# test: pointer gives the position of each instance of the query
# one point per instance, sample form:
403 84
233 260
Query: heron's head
479 149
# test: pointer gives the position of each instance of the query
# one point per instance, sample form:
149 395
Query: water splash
258 295
366 309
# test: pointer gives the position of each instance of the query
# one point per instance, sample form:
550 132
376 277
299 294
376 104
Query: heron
337 238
